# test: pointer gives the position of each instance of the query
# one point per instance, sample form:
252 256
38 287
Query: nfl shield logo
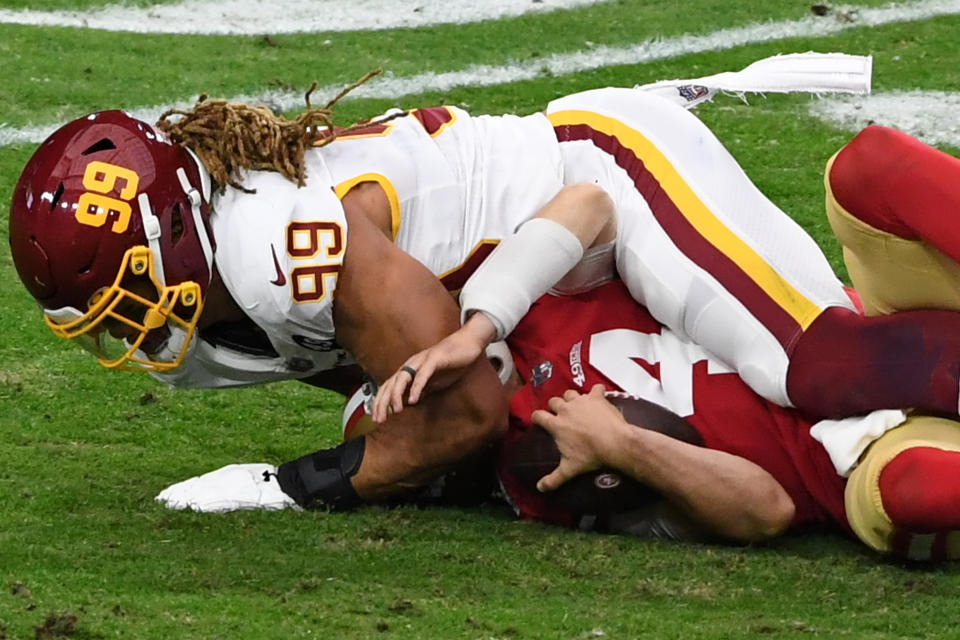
541 373
691 92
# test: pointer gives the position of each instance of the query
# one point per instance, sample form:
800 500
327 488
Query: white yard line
561 64
931 116
253 17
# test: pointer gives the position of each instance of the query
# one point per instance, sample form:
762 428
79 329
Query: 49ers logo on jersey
576 367
95 207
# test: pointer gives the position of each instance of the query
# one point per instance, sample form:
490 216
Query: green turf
85 553
63 72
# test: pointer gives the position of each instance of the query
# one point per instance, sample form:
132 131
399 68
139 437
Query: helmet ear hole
176 224
56 196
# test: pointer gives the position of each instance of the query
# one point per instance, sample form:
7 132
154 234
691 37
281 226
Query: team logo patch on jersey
541 373
316 345
691 92
576 368
606 481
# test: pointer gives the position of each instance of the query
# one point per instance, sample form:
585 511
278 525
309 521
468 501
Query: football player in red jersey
894 484
762 469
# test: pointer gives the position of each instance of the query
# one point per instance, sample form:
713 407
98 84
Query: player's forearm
544 249
413 447
411 450
730 496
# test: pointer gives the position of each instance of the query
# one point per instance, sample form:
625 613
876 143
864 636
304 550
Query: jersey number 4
615 354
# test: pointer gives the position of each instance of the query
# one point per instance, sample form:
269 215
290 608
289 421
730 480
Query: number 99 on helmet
109 231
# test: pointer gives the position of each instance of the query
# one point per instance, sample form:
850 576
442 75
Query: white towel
845 440
790 73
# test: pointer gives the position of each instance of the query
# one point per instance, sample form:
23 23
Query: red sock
845 363
898 184
920 490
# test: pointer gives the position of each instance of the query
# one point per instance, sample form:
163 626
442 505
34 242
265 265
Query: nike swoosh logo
281 278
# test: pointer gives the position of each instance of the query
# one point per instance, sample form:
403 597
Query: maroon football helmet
109 231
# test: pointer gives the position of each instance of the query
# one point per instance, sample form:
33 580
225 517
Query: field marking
931 116
254 17
561 64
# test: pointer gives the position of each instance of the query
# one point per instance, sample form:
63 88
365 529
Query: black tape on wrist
322 479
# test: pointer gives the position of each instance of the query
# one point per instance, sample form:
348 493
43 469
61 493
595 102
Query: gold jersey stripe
388 188
794 303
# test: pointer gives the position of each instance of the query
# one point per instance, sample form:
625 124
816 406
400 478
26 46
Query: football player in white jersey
120 236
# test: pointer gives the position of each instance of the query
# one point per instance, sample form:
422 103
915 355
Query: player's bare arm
388 306
728 495
580 213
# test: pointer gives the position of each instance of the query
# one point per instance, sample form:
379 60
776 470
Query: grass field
84 551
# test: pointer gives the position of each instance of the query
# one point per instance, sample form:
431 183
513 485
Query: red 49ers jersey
604 336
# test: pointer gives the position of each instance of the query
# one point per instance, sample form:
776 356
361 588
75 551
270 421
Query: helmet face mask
129 324
109 232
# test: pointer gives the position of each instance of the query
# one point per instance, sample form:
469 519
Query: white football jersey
451 182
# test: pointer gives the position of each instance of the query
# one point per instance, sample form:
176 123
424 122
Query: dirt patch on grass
61 624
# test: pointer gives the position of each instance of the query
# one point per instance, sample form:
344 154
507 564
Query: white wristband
520 270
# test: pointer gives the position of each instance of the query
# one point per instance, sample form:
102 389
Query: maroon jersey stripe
687 239
454 279
433 118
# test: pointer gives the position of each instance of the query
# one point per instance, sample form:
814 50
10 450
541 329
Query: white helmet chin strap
151 224
206 184
151 227
171 347
196 201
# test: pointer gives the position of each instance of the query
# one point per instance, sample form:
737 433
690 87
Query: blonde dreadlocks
230 137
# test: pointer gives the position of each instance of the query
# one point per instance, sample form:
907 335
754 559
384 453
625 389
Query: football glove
231 488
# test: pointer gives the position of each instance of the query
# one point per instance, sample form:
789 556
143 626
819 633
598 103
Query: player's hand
452 354
230 488
586 430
